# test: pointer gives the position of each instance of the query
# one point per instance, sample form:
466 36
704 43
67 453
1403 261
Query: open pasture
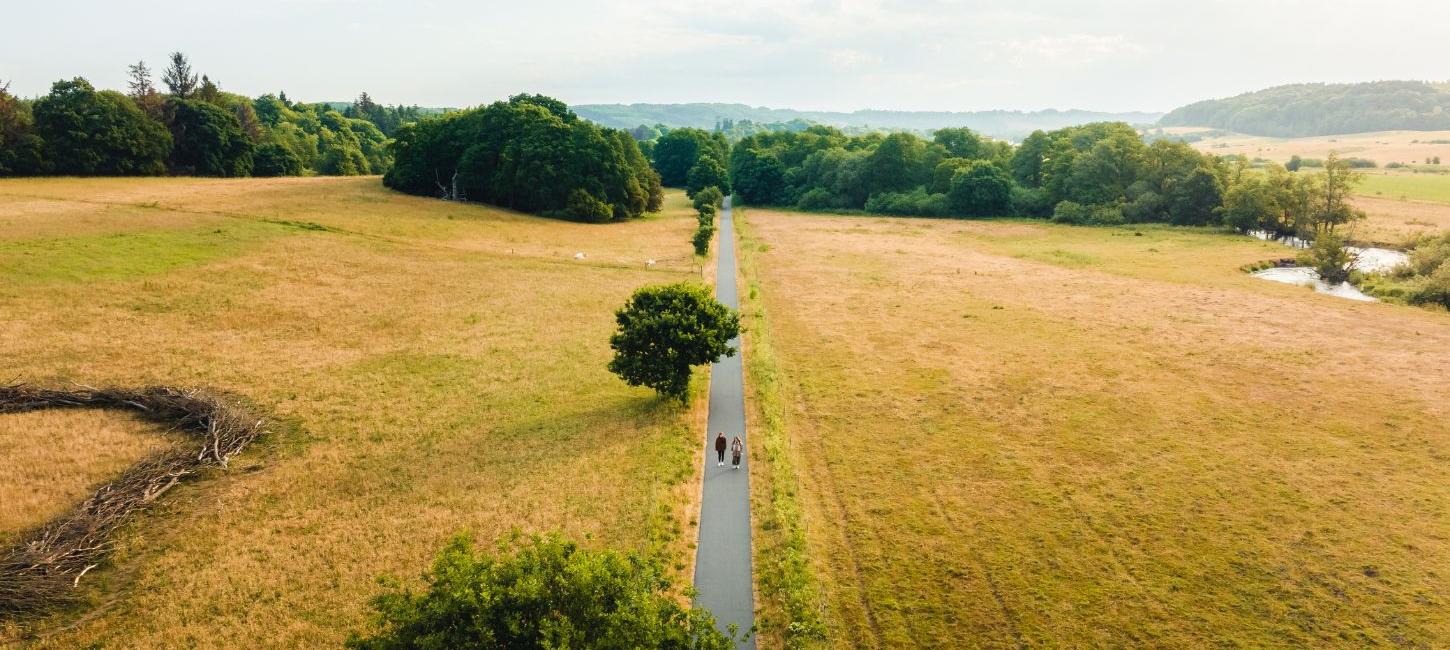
437 367
1014 434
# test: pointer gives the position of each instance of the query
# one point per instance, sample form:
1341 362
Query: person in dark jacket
737 447
720 449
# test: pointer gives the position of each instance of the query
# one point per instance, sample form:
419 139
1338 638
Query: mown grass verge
791 607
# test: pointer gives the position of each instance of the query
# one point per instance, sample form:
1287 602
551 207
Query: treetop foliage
679 151
1300 110
666 330
193 128
543 592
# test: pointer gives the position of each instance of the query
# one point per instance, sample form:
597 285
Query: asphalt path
722 559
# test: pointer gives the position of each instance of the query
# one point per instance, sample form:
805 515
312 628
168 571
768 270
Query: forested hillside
1300 110
1012 125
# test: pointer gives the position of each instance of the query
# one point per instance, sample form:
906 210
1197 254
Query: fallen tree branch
45 565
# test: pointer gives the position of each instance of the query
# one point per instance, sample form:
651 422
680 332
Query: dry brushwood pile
45 565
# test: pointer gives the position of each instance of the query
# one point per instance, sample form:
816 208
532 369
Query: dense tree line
1100 173
530 153
191 126
1323 109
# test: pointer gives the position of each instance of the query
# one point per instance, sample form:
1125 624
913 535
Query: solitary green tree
1332 206
541 593
666 330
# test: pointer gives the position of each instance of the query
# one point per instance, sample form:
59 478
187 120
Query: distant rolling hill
1000 124
1300 110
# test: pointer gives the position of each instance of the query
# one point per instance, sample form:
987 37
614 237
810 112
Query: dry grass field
1395 222
1401 204
53 459
1023 435
439 367
1383 147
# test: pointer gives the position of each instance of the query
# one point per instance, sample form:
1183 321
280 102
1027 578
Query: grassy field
439 367
1432 188
1383 147
1023 435
1401 204
80 450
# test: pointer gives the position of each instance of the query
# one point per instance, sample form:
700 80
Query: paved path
722 559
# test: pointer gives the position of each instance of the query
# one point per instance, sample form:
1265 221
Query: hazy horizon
1113 56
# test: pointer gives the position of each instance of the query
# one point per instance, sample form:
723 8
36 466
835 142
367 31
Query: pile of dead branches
45 565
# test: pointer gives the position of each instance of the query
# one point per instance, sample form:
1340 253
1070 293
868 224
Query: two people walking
737 447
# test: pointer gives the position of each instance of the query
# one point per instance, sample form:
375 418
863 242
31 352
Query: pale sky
825 55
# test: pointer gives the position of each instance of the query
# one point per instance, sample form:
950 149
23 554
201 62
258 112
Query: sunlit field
1013 434
436 367
1383 147
53 459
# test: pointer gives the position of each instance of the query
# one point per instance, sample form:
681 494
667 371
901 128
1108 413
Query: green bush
710 197
913 203
584 207
1328 258
273 159
702 237
1069 212
666 330
541 593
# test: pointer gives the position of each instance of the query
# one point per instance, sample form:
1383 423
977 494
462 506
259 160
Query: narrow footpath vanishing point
723 575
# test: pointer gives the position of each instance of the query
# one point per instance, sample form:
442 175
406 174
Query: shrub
710 196
818 198
543 593
665 330
583 206
1031 201
1328 258
1360 163
273 159
1074 213
1434 289
702 237
915 203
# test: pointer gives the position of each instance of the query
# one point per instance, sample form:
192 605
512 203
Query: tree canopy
666 330
544 592
97 132
195 127
207 140
530 153
680 150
